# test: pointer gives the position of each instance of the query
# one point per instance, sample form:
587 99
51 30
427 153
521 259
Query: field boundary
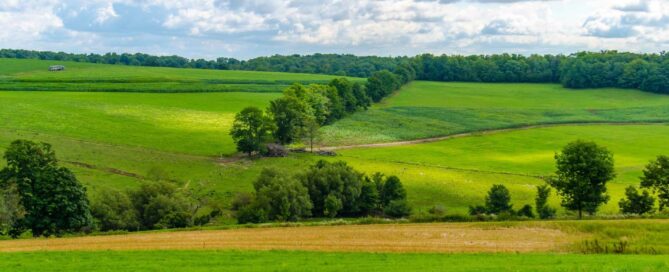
487 132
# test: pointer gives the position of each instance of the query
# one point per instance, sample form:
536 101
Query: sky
246 29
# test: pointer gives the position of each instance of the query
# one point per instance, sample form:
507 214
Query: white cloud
247 28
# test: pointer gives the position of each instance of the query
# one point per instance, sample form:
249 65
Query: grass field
429 109
200 260
33 75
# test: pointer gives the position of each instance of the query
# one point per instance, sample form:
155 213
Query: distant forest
648 72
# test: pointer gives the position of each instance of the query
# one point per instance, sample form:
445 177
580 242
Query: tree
311 133
11 210
345 91
397 208
392 190
277 197
656 177
337 179
583 169
526 211
369 197
636 203
541 202
54 201
498 200
251 130
289 115
113 210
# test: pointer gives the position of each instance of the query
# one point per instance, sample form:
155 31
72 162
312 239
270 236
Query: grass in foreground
429 109
315 261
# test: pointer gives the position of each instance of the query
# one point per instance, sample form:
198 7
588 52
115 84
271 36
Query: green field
315 261
114 139
33 75
429 109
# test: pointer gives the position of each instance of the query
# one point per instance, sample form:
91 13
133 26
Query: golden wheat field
451 237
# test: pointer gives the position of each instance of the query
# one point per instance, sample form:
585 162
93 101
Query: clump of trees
326 189
302 110
38 195
498 202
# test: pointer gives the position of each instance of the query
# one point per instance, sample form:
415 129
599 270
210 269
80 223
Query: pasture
430 109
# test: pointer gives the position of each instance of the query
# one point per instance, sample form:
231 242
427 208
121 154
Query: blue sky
246 29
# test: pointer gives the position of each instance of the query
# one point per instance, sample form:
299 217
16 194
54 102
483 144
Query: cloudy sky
246 29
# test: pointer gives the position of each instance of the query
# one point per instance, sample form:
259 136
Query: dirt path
483 132
437 237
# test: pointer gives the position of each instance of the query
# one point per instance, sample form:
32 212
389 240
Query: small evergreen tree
498 200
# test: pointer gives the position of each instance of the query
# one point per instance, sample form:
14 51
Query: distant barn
56 68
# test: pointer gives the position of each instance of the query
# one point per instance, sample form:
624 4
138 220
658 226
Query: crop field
548 245
429 109
33 75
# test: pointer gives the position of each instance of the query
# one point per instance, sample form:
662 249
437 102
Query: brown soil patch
438 237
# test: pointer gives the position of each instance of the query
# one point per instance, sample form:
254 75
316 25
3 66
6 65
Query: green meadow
425 109
321 261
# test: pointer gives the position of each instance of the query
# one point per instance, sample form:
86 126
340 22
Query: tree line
583 170
647 72
302 110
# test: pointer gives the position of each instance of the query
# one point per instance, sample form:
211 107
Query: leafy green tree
583 169
337 179
311 133
54 201
345 91
392 190
541 201
113 210
361 96
251 130
635 202
381 84
277 197
498 200
290 116
656 177
369 197
332 206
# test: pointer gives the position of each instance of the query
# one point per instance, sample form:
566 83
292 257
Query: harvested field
460 237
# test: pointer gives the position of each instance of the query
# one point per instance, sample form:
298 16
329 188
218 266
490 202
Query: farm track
433 237
483 132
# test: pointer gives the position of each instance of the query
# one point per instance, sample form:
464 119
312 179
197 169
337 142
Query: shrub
526 211
277 197
437 210
498 200
397 209
636 203
113 210
159 204
477 210
332 206
338 179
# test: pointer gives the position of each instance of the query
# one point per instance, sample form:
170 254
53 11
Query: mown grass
33 75
429 109
316 261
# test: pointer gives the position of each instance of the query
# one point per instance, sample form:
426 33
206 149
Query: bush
477 210
526 211
160 205
397 209
337 179
332 206
636 203
113 210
